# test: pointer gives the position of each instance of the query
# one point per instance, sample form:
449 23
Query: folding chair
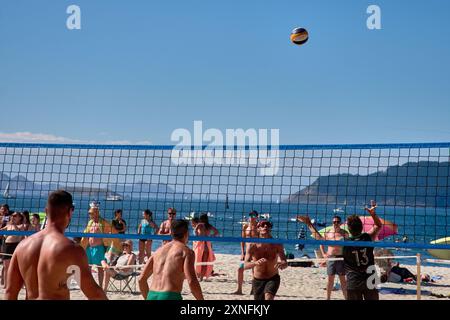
121 283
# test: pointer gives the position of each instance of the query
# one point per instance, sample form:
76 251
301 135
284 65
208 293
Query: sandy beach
296 284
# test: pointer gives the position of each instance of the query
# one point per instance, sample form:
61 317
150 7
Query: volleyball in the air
299 36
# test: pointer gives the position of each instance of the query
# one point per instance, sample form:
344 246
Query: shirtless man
41 261
170 265
263 259
333 267
95 247
249 230
164 229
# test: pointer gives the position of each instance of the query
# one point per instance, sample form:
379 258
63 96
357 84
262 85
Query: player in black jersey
359 261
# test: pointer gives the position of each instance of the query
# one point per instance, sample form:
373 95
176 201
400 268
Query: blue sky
137 70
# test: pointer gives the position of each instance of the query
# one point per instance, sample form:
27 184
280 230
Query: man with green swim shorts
170 265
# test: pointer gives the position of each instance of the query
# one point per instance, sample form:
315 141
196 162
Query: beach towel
199 248
402 291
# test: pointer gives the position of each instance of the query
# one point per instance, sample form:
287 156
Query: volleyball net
409 182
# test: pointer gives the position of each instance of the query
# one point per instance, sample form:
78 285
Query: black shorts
362 294
262 286
9 249
145 240
335 267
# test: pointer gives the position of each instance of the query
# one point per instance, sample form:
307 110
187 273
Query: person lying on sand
397 274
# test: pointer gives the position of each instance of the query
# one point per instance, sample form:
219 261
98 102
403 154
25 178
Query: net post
418 278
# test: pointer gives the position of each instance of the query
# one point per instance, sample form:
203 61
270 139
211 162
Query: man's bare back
170 265
43 261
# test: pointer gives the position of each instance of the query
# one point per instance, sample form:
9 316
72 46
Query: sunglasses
336 222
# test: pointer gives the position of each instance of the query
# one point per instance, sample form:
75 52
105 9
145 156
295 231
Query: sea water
420 225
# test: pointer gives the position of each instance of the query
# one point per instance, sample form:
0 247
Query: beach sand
296 284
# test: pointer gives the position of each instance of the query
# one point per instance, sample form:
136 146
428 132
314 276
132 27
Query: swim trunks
335 267
95 255
159 295
262 286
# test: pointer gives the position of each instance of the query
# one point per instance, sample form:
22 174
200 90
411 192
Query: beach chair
120 283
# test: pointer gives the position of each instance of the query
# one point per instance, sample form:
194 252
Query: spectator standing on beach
203 249
249 230
11 241
118 223
146 227
333 252
35 222
96 247
164 228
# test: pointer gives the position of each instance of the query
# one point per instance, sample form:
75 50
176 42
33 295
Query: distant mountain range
424 183
21 186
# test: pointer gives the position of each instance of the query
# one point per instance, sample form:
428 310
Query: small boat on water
339 210
265 216
113 197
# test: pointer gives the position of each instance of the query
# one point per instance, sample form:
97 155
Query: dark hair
204 219
60 199
36 216
337 217
179 228
383 278
5 205
21 216
117 211
253 213
195 219
355 225
149 213
263 222
26 215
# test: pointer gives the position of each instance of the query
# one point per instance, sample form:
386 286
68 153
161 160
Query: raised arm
143 278
191 277
306 220
14 279
373 233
